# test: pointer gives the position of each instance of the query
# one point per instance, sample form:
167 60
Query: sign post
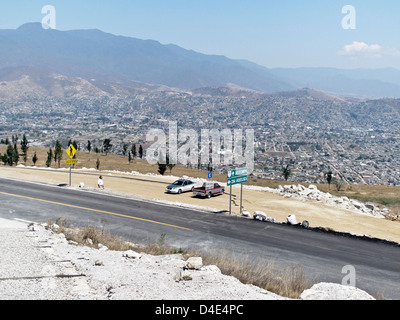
71 153
241 198
230 201
236 176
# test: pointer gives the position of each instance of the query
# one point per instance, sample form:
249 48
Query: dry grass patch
289 282
89 236
94 237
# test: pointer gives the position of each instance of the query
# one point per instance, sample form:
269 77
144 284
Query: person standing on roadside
100 183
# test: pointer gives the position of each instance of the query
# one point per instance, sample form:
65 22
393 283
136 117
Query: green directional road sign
237 176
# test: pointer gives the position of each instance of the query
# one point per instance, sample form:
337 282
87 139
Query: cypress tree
49 158
34 159
58 153
24 147
134 153
141 152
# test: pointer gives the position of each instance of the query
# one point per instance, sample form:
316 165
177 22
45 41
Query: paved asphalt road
321 256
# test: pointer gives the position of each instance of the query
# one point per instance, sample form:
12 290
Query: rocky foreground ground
39 264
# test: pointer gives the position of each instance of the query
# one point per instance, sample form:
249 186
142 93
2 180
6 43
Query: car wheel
209 195
192 189
179 191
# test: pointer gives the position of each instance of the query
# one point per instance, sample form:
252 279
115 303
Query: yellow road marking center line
96 210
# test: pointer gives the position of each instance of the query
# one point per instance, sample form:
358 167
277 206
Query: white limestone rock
333 291
194 263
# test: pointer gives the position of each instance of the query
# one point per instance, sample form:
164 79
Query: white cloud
362 48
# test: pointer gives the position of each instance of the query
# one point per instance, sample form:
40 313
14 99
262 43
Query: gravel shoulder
42 265
39 264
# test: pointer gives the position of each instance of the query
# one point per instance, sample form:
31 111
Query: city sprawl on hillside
312 132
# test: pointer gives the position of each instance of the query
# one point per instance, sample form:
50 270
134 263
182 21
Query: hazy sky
285 33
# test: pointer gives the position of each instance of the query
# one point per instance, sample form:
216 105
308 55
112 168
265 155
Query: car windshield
178 183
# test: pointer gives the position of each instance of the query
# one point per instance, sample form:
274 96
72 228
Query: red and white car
208 190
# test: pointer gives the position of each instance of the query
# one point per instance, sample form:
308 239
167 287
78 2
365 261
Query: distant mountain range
98 59
362 83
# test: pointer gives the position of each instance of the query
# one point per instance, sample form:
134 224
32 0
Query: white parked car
181 185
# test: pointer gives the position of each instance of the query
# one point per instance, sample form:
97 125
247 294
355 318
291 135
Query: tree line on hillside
12 155
131 152
105 148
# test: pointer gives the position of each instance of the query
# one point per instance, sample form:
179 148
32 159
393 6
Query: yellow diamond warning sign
71 151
